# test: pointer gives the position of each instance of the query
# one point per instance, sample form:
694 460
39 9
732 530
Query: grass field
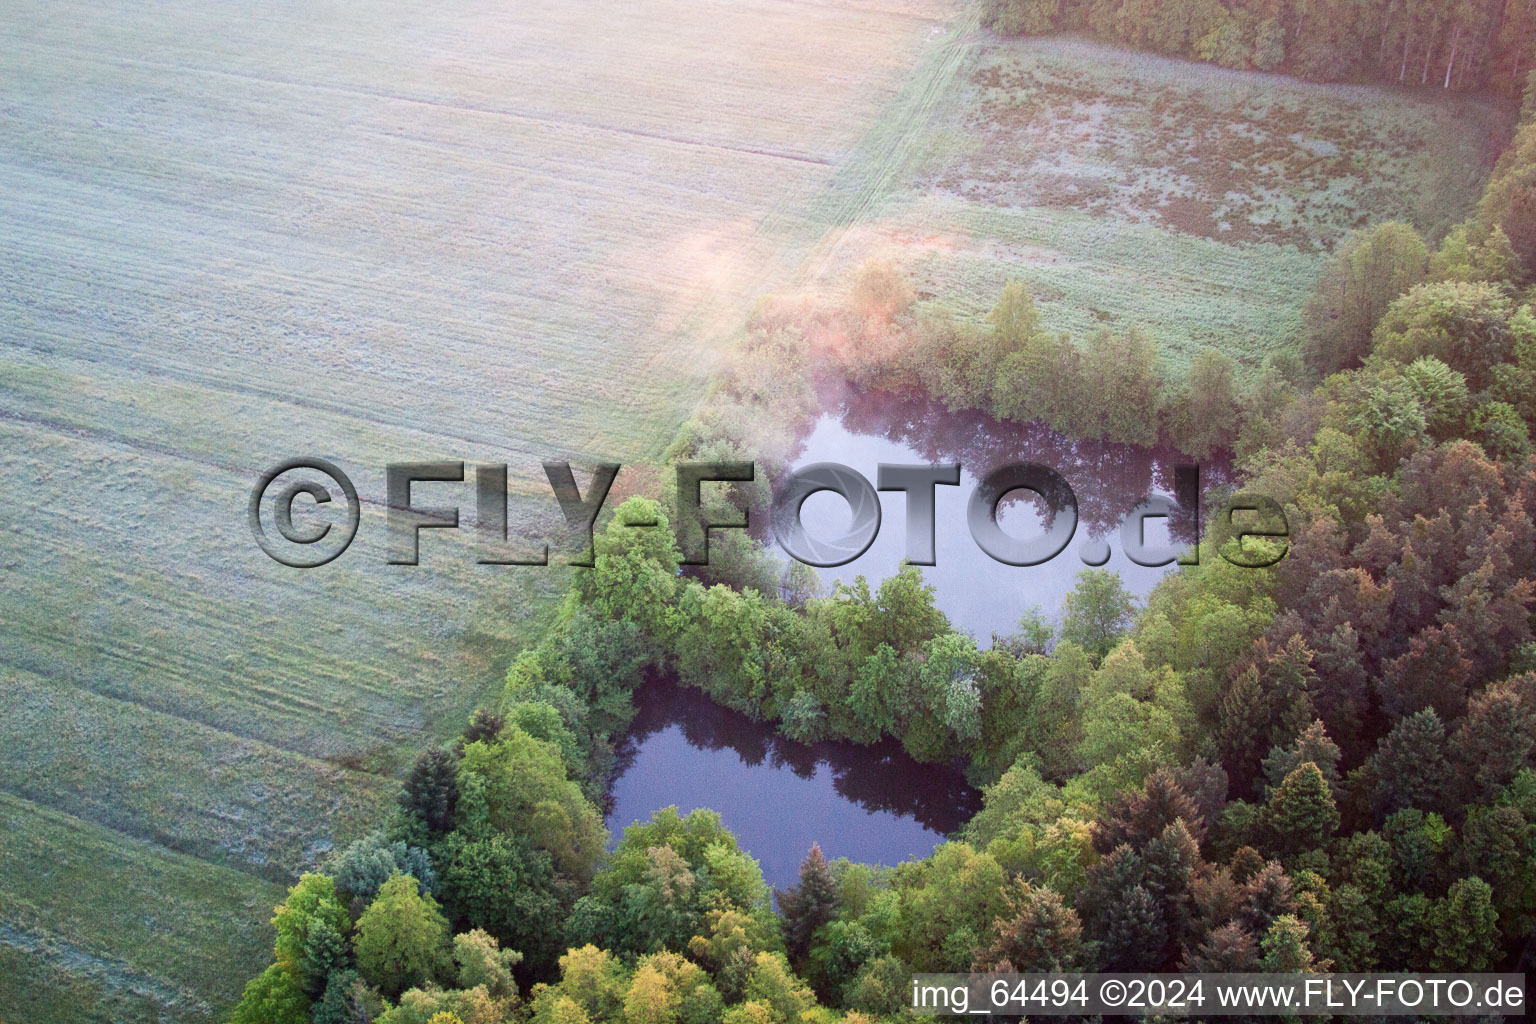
1131 190
369 232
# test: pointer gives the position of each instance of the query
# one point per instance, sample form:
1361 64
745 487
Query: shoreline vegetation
1328 765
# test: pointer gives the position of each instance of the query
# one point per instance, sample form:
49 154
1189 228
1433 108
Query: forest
1483 44
1329 765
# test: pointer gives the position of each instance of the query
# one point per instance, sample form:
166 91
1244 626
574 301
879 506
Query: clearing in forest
1193 202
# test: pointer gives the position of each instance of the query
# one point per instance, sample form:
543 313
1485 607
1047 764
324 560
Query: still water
874 804
870 804
980 595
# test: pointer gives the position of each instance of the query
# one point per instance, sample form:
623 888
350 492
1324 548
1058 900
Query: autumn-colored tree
1039 932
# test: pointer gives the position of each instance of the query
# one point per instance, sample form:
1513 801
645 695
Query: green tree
1466 932
1021 17
402 938
526 792
595 980
947 904
1097 612
1301 815
326 950
369 861
1209 406
1441 393
272 997
347 1000
1121 383
1410 763
1465 325
1503 433
1284 948
482 962
431 789
1015 321
312 905
500 883
634 577
1370 269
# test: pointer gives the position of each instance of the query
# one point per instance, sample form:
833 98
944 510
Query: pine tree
347 1000
312 904
1301 814
1041 934
1312 745
1355 926
1134 933
1466 928
1227 950
807 905
1241 728
1136 818
432 789
1265 898
325 951
1411 768
1285 949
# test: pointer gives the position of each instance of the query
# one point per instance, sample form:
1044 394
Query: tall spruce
432 789
808 904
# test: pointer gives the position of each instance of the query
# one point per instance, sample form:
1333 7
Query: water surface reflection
871 804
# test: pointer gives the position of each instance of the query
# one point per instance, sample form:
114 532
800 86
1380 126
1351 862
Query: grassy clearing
1124 189
100 927
368 232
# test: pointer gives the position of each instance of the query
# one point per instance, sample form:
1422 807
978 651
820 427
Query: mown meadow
371 233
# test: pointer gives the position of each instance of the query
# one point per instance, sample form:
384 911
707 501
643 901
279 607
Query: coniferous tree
1134 933
325 951
1301 815
1312 745
1041 933
808 904
1466 928
1134 818
1227 950
432 789
1411 767
312 905
1284 948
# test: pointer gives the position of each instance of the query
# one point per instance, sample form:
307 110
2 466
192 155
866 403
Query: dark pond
874 804
870 804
